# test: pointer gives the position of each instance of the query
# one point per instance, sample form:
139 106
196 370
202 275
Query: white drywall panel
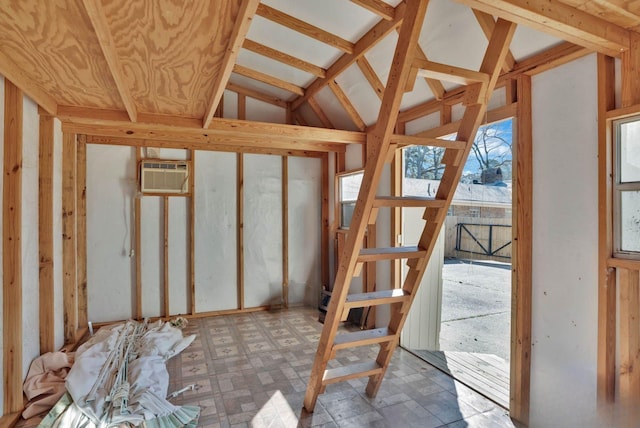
528 42
334 110
360 93
58 303
274 68
309 115
30 256
179 250
351 23
565 246
305 225
383 237
291 42
171 154
353 157
422 124
498 99
332 220
230 105
262 229
152 255
216 231
111 188
451 35
264 88
259 111
1 216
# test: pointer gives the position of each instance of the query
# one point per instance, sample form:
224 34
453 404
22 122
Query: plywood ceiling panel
54 43
171 50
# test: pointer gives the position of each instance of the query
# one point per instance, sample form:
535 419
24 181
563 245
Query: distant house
470 200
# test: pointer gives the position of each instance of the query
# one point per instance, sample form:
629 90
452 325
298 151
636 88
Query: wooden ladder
480 86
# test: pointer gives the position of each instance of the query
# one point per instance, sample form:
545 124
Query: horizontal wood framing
561 20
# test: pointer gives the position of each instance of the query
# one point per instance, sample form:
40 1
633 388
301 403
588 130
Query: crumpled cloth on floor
44 384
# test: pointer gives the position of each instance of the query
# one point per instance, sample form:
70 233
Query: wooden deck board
487 374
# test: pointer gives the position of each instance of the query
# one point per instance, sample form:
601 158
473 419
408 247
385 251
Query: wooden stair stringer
378 144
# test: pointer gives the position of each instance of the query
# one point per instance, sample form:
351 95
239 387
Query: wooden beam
629 336
241 90
606 275
371 76
227 128
12 249
324 219
631 72
133 142
285 231
560 20
284 58
380 8
16 74
320 113
449 73
435 85
45 234
81 231
165 281
240 228
269 80
69 253
487 24
347 105
238 35
192 233
138 238
98 19
520 378
371 38
302 27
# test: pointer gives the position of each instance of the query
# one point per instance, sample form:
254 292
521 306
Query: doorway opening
460 321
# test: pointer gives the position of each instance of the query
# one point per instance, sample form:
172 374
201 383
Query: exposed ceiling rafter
305 28
380 8
487 24
284 58
18 77
376 34
371 76
101 27
347 105
561 20
269 80
238 35
252 93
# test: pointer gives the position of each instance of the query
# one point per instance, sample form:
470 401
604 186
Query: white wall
30 257
262 229
216 223
111 189
565 246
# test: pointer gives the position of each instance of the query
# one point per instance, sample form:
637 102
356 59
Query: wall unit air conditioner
166 177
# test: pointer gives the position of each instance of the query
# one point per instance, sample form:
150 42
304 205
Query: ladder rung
400 201
449 73
375 298
363 338
352 371
390 253
416 140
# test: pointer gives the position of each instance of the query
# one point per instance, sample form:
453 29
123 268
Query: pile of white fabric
120 378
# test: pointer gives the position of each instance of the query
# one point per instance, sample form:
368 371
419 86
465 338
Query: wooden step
352 371
390 253
363 338
374 298
408 201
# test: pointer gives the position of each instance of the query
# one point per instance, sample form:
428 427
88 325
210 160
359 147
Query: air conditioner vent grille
170 177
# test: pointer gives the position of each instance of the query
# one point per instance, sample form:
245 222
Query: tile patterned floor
251 370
